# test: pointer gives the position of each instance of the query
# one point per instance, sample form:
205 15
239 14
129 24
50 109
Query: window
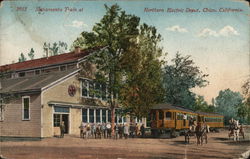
85 88
104 116
161 115
56 120
179 116
104 92
21 74
109 116
98 119
91 115
62 68
61 109
37 72
26 108
154 115
1 110
168 115
97 90
85 115
91 89
119 119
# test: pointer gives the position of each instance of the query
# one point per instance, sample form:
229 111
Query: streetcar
170 120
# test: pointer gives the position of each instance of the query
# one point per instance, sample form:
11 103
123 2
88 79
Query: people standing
132 130
108 127
104 130
88 130
62 129
81 127
126 131
142 130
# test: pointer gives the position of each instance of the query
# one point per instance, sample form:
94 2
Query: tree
227 103
31 54
52 49
114 31
202 105
245 109
22 58
180 78
143 84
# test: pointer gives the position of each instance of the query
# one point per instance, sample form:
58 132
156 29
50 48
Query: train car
169 119
174 120
215 121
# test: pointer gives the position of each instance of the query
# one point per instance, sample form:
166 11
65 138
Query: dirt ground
72 147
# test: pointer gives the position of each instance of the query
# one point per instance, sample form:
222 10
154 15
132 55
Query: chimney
77 50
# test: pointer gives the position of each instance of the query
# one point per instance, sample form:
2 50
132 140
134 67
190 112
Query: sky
215 33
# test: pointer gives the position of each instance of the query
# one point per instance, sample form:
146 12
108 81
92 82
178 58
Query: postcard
124 79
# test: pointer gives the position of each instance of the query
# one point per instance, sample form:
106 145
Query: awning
74 105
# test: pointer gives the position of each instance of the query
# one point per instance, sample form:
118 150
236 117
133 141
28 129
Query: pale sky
217 41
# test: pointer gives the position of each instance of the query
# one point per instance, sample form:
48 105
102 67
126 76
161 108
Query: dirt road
72 147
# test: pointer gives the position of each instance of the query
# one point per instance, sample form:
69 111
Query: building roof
52 60
34 83
170 106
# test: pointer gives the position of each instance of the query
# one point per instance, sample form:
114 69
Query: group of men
103 130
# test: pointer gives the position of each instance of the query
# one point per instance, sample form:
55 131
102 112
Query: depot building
37 95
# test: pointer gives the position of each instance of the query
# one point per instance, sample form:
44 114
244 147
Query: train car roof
170 106
210 114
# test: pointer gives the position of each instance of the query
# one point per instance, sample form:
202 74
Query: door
65 118
58 118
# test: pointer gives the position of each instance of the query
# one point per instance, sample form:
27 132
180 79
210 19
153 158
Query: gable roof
46 61
34 83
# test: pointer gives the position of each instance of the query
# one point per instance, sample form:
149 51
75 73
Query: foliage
114 31
228 103
143 84
31 54
22 58
51 49
180 78
202 105
245 109
128 64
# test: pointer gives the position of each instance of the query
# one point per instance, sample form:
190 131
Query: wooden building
43 92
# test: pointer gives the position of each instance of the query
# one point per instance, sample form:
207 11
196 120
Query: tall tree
56 48
227 103
114 31
180 78
22 58
143 84
245 109
31 54
202 105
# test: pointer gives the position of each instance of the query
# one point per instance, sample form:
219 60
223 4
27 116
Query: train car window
161 115
168 115
179 116
154 115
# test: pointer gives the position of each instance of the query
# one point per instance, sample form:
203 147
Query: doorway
58 118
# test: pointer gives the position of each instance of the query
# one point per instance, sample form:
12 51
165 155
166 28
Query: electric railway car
168 119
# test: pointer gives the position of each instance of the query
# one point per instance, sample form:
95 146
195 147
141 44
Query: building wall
59 93
75 120
14 126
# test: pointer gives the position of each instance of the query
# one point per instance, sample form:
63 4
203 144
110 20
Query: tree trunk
113 120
